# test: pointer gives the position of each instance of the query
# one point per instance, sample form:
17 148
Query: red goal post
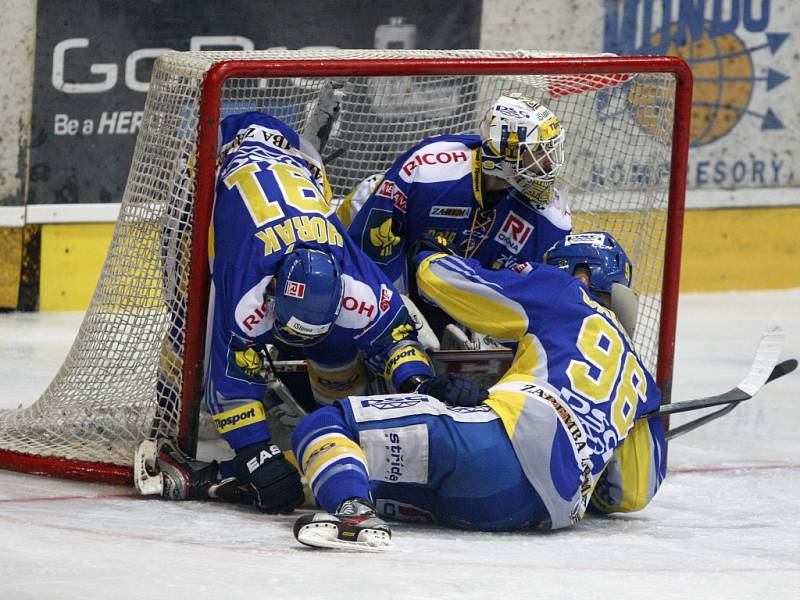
136 366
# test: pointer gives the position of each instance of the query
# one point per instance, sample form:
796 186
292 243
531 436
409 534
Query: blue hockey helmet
597 251
307 297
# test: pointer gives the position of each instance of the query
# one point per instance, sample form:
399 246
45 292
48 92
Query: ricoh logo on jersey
389 189
356 305
251 320
254 316
434 158
514 232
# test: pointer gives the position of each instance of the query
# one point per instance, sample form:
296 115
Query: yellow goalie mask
522 143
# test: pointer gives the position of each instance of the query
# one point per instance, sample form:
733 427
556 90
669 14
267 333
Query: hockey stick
763 370
780 370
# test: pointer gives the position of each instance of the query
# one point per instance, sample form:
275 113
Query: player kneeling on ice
556 435
283 269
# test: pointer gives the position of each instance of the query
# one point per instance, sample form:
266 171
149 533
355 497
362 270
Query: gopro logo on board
110 71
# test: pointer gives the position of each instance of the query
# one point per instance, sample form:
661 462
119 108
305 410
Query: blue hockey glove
274 481
454 390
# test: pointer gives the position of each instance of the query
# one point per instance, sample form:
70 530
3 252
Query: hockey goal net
135 368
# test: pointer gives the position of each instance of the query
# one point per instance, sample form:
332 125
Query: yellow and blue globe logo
726 71
724 80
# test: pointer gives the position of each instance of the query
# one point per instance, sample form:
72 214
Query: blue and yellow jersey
272 197
436 188
575 386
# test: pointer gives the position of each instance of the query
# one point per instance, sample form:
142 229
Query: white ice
722 526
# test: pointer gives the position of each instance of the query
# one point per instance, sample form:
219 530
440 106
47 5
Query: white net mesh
122 377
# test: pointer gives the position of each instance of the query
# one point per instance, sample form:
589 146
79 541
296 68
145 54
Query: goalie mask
522 144
306 297
599 252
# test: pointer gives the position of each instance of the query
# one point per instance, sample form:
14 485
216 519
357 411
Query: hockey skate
354 526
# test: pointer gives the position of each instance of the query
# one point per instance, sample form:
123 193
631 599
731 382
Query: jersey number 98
608 368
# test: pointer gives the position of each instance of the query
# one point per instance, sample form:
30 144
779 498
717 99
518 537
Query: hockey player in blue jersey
283 268
557 434
491 196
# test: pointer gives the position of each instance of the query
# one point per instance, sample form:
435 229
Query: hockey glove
453 390
273 480
428 242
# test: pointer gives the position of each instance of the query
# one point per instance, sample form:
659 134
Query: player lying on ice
545 446
283 268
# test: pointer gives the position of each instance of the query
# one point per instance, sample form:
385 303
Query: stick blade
767 354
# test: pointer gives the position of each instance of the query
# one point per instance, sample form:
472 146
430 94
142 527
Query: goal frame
210 106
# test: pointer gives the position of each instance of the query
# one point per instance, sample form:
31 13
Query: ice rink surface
724 524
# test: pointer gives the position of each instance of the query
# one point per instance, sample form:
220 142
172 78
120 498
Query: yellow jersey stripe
327 450
468 300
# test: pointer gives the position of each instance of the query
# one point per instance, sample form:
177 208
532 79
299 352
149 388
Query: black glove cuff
412 383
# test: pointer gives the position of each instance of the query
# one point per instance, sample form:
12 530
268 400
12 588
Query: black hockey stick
780 370
763 370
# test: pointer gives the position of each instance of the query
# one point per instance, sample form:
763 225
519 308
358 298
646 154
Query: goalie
556 435
491 197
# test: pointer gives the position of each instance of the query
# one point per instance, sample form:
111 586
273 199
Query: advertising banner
743 59
94 58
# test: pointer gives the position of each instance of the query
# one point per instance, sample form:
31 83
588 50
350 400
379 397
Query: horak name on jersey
303 228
